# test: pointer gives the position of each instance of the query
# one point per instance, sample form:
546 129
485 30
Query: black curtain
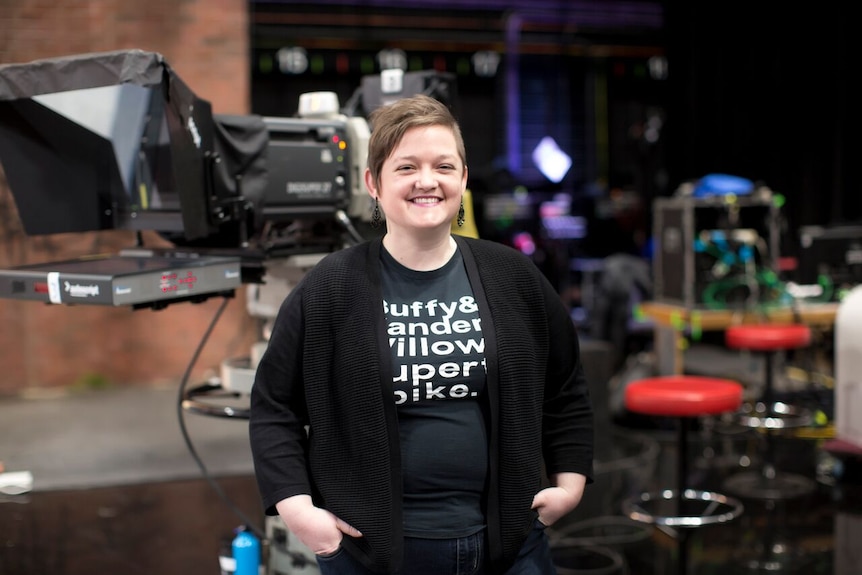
765 94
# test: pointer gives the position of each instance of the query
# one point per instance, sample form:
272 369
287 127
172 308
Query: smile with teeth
425 200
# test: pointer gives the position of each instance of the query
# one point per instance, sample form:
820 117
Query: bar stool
767 414
684 397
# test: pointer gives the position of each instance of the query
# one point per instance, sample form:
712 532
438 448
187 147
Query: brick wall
50 347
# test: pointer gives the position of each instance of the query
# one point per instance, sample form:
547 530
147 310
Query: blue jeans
463 556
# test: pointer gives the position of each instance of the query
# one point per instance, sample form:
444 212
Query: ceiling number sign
292 60
392 59
485 63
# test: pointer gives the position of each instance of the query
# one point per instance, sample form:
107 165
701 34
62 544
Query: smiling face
421 182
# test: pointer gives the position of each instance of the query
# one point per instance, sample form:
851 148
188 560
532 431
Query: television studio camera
117 141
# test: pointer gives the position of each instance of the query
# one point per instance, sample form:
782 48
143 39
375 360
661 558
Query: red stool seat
768 336
683 396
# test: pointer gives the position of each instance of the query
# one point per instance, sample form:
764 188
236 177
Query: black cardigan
323 369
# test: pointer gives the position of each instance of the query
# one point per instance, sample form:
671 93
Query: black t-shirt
439 385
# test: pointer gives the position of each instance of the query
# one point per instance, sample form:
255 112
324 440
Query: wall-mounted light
553 162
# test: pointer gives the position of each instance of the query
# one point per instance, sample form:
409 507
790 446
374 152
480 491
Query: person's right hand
318 529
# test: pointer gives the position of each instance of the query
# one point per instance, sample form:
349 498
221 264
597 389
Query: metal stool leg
771 416
681 481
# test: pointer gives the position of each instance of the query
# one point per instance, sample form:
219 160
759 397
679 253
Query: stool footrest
780 485
775 415
693 508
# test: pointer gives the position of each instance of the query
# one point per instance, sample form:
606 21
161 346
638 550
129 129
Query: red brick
206 42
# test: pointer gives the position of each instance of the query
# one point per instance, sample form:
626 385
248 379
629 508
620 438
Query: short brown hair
390 122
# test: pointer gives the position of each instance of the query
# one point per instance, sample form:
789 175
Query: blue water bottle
246 552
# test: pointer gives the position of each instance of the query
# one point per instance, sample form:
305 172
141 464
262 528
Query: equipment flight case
717 251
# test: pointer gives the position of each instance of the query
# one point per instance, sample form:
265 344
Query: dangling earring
376 218
461 214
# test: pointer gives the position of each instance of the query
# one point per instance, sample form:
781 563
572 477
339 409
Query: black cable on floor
297 558
187 439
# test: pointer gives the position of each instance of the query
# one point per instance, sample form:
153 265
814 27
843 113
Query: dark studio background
765 93
747 90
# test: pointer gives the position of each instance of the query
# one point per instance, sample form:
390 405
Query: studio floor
116 490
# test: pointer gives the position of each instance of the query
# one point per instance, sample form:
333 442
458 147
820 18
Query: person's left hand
552 503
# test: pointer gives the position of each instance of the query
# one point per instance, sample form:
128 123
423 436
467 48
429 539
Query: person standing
416 386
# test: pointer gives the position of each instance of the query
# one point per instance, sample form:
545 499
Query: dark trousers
462 556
